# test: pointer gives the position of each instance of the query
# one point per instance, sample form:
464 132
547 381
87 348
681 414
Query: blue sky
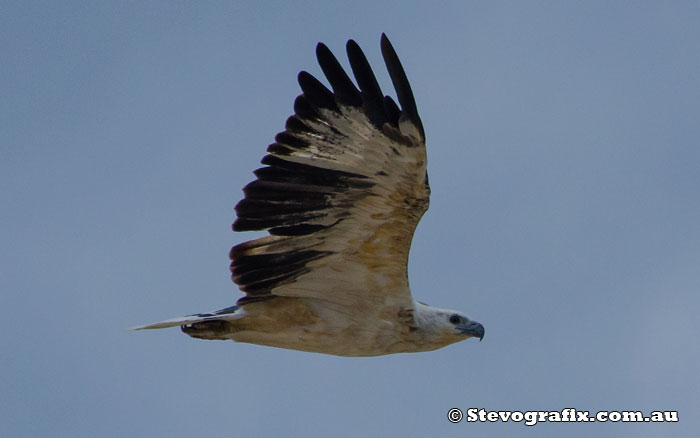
564 159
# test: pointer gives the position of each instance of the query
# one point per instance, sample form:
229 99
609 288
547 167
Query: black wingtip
373 99
315 91
351 45
401 84
386 45
322 51
378 109
345 91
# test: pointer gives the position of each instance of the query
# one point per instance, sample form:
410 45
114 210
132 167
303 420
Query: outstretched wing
342 190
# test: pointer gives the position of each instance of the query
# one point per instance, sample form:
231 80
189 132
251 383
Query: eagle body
320 327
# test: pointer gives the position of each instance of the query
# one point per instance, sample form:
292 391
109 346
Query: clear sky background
564 158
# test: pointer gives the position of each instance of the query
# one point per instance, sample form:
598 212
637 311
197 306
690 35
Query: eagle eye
455 319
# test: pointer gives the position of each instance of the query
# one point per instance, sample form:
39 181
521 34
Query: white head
441 327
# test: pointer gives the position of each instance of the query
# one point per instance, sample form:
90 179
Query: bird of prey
341 193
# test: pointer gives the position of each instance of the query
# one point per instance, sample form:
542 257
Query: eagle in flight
341 193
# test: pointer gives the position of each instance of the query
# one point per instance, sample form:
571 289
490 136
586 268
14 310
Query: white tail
227 314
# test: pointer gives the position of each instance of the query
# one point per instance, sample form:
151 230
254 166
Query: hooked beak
473 329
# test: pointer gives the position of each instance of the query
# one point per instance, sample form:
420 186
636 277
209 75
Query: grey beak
474 329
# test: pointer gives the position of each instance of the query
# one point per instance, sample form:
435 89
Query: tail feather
226 314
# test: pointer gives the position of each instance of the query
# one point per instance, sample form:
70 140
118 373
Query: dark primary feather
401 84
372 98
316 93
392 111
295 197
345 91
303 109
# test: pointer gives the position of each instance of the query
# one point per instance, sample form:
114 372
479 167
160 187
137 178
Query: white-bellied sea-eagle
340 194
